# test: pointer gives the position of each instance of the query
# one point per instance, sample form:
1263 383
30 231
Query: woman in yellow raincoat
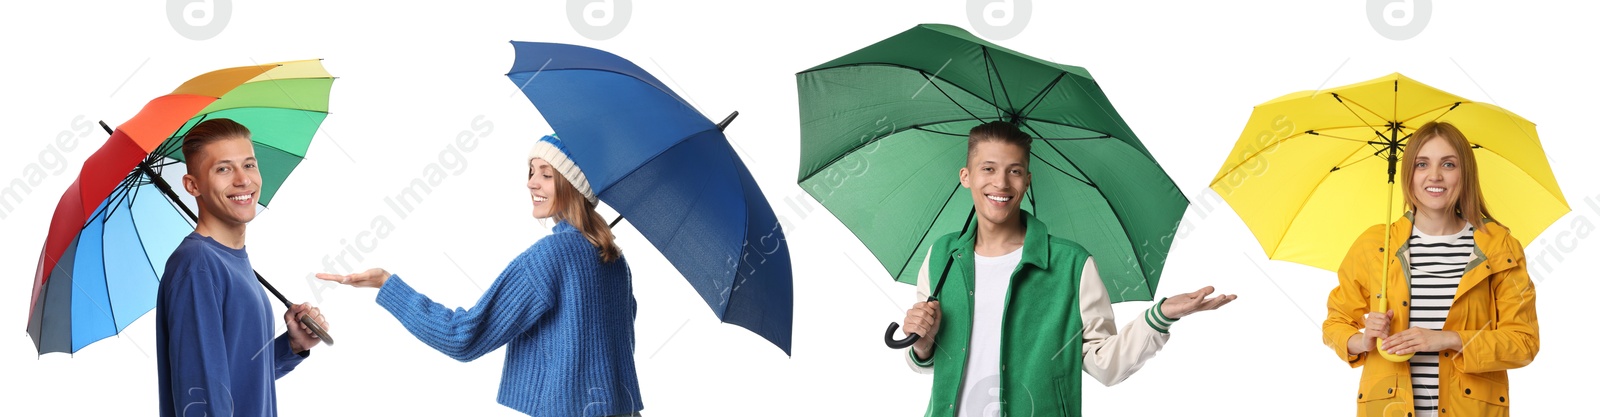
1458 290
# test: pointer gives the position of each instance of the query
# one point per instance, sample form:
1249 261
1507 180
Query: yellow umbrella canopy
1311 170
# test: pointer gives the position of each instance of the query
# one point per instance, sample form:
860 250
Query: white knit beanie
550 149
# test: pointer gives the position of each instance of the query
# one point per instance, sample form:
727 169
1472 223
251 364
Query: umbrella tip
723 125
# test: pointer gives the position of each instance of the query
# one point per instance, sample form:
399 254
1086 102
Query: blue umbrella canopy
672 173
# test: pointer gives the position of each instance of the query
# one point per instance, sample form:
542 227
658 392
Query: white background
1184 74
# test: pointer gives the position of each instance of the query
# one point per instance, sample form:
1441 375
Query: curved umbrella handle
321 333
888 338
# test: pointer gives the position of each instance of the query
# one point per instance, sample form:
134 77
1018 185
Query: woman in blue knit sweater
564 308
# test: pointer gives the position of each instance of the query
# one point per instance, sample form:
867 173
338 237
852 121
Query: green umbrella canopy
884 133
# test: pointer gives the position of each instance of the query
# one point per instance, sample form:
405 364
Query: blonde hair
1470 205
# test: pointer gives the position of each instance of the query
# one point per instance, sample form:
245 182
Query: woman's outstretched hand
371 278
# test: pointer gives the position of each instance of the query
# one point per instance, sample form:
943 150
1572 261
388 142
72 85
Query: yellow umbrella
1314 169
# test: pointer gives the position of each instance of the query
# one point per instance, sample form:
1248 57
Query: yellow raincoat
1493 311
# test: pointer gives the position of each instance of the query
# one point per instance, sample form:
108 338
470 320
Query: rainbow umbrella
118 222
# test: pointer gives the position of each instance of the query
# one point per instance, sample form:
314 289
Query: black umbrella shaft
1394 149
939 288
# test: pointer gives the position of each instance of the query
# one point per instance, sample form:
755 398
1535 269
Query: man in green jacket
1034 313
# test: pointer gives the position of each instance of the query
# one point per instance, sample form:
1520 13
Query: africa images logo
199 19
599 19
1399 19
999 19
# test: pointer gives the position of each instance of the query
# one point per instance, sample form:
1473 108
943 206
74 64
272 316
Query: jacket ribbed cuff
1156 320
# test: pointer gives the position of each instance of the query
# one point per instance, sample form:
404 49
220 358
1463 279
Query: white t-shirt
980 390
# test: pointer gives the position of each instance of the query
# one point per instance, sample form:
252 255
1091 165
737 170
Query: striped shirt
1437 263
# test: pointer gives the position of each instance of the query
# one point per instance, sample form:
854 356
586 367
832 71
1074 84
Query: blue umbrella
670 171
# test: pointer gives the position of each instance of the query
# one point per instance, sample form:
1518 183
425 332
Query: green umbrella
884 131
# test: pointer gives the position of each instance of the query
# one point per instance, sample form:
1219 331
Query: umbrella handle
321 333
888 338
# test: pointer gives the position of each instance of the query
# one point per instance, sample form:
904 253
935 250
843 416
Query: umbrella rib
989 77
1137 266
118 194
174 141
1353 163
921 128
1312 132
853 149
1301 208
105 279
103 311
1037 136
291 97
306 113
1316 133
1109 114
1451 107
924 237
1084 180
1252 155
841 156
1342 102
937 132
1062 171
988 60
142 247
1038 98
1547 189
910 68
952 99
1120 224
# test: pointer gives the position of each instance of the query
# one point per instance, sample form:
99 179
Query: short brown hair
1470 205
207 132
1000 131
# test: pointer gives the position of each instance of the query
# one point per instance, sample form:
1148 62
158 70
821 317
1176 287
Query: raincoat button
1403 304
1391 391
1469 391
1502 399
1408 414
1358 396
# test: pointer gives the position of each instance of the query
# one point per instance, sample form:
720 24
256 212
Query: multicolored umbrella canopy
672 173
1311 170
883 133
115 226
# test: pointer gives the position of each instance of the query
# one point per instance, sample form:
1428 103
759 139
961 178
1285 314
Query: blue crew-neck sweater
565 318
215 352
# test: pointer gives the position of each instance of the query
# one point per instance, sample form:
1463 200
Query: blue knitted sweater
565 317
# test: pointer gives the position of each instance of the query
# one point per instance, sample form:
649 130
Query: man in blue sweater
215 351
